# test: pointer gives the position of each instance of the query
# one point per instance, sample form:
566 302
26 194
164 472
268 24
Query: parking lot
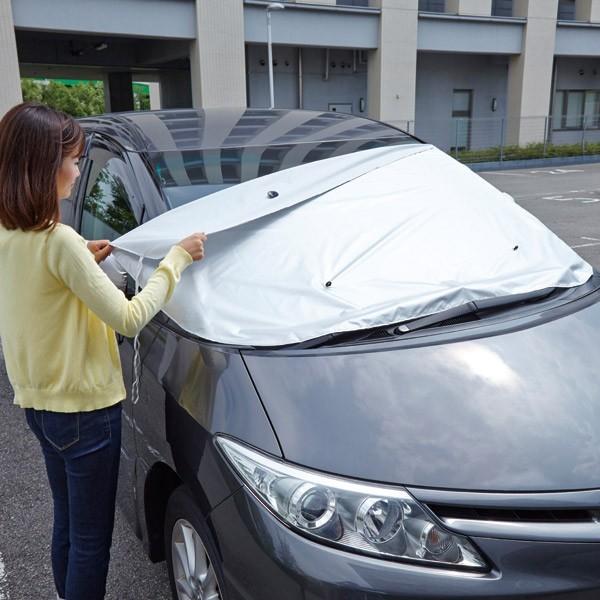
566 199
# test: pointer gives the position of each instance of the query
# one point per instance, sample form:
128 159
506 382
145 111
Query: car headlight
378 520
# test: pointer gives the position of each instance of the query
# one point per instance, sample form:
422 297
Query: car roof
203 129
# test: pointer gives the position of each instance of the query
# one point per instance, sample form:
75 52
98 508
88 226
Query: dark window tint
353 2
191 129
566 10
189 175
432 6
502 8
107 211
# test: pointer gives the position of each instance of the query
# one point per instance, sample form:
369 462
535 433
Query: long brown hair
34 139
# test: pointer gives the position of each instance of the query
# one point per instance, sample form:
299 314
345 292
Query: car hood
518 411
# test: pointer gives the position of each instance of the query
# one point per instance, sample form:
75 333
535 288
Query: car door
108 206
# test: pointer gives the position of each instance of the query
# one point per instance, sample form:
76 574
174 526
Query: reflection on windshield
191 174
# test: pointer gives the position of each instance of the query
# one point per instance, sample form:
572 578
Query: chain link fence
505 139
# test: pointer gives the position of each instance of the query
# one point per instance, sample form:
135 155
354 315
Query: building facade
458 73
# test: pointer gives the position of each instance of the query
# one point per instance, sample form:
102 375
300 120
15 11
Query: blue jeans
82 452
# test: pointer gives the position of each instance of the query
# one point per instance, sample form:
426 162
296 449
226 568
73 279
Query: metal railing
505 139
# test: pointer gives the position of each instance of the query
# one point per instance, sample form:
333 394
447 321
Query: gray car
453 457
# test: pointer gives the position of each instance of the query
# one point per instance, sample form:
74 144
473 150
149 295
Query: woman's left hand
100 249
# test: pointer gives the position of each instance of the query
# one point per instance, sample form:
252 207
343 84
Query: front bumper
265 560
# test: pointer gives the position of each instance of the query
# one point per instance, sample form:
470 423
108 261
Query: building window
438 6
352 2
502 8
566 10
577 109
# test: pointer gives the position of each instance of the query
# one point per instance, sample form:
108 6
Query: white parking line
509 174
551 195
582 199
558 171
4 595
586 245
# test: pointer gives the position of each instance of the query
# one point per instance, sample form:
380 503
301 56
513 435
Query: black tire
182 512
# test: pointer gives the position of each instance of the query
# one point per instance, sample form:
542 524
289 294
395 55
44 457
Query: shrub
79 100
527 152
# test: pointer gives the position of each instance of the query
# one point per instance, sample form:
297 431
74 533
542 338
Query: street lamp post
270 7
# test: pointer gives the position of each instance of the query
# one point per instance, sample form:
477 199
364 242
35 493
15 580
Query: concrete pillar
478 8
154 95
218 55
10 89
175 89
587 10
106 88
530 73
392 69
118 92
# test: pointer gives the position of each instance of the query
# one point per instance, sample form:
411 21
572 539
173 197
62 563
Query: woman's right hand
194 245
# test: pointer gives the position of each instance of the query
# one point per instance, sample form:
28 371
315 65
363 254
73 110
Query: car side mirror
116 273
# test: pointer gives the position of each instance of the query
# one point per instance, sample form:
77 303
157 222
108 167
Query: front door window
107 209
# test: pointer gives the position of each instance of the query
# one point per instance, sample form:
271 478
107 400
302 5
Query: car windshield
187 175
363 240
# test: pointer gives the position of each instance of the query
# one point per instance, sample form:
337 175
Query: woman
58 317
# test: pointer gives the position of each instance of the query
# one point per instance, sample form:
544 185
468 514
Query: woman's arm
70 261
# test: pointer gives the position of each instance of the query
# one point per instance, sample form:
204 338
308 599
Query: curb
534 162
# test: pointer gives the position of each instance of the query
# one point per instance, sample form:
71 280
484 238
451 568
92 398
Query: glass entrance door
462 107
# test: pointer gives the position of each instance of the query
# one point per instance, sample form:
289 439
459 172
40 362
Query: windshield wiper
472 308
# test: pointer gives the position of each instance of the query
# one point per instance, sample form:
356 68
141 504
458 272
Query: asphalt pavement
566 199
26 524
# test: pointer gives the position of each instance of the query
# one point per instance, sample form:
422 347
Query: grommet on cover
328 284
516 248
273 194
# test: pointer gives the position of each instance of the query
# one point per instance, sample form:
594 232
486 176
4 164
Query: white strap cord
137 361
